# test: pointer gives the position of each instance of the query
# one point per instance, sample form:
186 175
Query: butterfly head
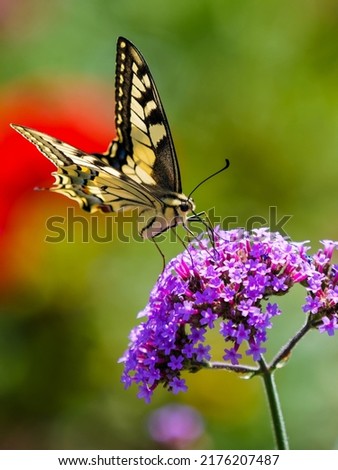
180 204
177 208
174 210
186 205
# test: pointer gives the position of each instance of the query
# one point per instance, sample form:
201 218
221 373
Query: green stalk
285 352
275 407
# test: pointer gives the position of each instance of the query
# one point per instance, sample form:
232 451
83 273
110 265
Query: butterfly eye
185 207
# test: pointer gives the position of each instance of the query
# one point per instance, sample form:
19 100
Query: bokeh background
254 81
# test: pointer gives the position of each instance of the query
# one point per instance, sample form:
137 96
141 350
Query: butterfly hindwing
144 148
86 179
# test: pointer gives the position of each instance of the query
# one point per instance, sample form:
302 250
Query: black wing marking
144 149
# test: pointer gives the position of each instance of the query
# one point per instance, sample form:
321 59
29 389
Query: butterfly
139 170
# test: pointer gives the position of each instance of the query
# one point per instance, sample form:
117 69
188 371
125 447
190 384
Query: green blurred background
254 81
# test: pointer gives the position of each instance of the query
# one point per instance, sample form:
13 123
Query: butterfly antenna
227 163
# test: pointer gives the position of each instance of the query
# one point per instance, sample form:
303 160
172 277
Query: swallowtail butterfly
140 168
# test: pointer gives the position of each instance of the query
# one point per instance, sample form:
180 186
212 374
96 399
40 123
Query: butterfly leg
197 217
184 244
191 234
180 238
160 252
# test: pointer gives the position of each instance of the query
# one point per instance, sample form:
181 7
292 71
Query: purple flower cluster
322 288
226 282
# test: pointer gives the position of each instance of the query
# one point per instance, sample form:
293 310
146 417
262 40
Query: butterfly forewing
144 148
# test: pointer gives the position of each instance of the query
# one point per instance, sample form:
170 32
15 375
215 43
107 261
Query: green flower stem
275 407
285 352
267 373
234 368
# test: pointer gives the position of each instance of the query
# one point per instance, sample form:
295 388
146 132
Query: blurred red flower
76 111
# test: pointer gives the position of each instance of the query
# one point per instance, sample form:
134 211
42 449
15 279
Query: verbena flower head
226 284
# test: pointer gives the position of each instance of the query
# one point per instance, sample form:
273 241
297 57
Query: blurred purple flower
229 281
176 426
